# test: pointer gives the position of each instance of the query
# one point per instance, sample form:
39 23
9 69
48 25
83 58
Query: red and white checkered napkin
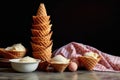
73 50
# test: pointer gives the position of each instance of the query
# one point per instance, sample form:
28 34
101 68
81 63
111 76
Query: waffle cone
59 67
42 56
37 39
41 10
40 38
9 54
42 24
48 36
88 62
36 47
44 43
41 19
47 51
40 33
41 27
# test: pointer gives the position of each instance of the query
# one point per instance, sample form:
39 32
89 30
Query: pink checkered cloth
73 50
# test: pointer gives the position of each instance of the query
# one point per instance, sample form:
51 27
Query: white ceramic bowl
24 66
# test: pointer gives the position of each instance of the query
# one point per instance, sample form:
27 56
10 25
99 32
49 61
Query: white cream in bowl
26 64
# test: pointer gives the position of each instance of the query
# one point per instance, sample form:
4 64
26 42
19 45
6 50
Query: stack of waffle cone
41 42
89 62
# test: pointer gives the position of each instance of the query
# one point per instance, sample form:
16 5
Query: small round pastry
73 66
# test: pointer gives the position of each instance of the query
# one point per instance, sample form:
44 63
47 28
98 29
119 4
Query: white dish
24 66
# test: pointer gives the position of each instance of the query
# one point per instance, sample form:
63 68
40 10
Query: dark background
91 22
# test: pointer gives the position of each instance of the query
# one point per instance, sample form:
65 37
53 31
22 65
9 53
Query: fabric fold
73 50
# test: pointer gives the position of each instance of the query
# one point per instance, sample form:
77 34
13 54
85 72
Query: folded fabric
73 50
